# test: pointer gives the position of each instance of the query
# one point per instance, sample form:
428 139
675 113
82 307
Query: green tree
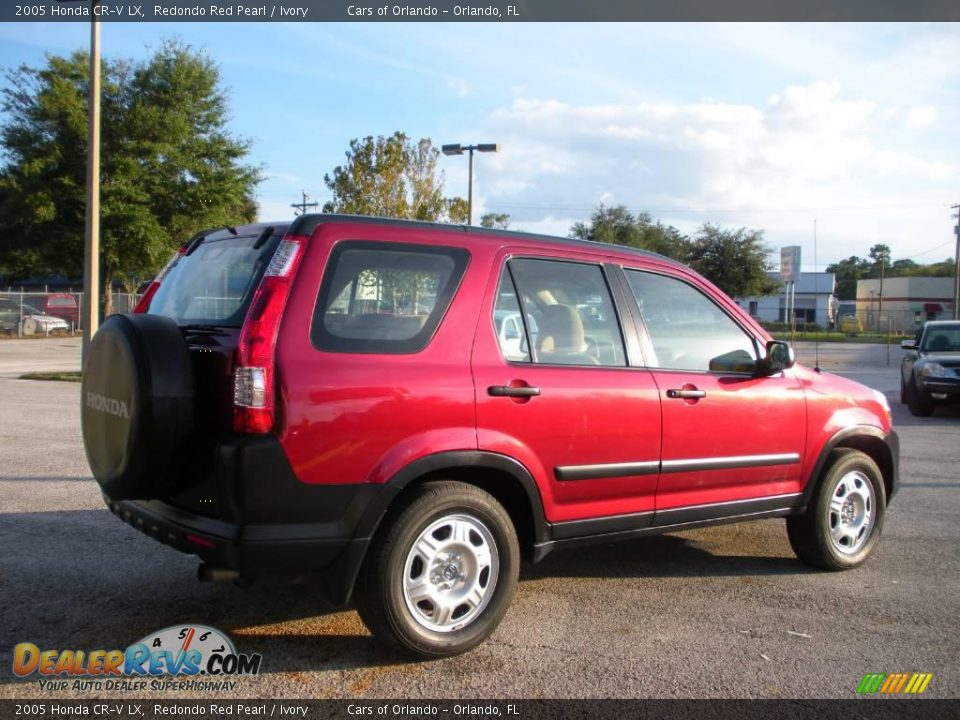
736 261
619 226
392 177
847 273
498 221
880 254
168 164
946 268
904 267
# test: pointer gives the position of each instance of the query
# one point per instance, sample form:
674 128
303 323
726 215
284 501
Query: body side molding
652 467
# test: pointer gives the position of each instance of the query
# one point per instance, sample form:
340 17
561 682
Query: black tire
920 405
811 534
380 594
137 407
903 392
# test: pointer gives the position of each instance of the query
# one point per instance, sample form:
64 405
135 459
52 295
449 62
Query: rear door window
381 297
564 310
215 283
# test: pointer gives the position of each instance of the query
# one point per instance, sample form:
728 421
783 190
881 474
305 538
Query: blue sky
759 125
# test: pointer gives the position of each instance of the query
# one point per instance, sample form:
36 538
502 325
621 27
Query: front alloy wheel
441 571
843 522
851 512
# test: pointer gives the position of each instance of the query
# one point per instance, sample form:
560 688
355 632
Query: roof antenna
816 288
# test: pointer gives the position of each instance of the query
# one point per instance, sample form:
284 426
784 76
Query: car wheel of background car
903 391
441 572
137 406
29 326
845 518
919 404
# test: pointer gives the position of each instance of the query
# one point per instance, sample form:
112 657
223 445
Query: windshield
215 283
941 338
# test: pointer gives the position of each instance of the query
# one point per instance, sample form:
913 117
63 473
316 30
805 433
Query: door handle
686 394
508 391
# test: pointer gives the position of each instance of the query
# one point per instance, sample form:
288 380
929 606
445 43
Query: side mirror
908 344
779 357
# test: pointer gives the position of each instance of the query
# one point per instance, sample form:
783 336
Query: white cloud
921 116
809 150
269 210
459 86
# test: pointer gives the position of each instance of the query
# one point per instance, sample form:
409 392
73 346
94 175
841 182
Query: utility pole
303 204
882 258
883 262
91 254
956 265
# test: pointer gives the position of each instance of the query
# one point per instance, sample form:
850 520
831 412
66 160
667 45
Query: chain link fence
892 322
25 314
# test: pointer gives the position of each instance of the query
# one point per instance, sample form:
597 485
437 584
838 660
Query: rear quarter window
379 297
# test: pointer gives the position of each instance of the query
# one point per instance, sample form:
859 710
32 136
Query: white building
814 302
906 302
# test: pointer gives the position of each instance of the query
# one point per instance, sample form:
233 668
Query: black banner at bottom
486 709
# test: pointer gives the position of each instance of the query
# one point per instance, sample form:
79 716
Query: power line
933 249
701 211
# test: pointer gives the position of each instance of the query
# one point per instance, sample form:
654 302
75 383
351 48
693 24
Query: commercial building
814 301
906 303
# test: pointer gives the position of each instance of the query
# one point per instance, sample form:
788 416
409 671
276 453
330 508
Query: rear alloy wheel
845 519
442 572
920 405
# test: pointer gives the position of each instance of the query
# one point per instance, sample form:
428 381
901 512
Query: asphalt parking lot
713 613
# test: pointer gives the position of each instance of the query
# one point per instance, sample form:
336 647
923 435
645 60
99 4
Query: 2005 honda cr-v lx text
345 397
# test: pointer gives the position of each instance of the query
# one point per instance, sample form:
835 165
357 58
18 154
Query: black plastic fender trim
455 460
891 440
341 580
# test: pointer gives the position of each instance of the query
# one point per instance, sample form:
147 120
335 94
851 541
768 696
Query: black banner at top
480 11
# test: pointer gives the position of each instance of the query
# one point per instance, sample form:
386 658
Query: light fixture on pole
458 149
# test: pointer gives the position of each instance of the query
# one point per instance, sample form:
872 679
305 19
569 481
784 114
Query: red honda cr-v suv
403 408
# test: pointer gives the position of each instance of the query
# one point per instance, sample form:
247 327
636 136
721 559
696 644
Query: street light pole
956 266
458 149
91 248
470 190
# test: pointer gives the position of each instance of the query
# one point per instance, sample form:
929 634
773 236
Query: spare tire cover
137 406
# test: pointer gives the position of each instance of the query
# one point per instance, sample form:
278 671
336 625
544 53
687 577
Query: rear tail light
249 388
144 304
255 379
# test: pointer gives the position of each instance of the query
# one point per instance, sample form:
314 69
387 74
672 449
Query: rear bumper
250 549
269 522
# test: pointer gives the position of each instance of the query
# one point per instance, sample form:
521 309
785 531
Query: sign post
789 274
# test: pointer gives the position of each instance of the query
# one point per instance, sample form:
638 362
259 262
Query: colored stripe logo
894 683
